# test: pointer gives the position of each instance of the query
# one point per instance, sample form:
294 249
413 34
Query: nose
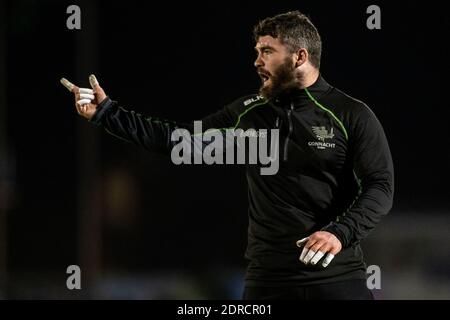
258 61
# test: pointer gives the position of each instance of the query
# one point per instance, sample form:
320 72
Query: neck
309 78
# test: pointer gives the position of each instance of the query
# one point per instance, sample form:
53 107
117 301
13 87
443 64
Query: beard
283 81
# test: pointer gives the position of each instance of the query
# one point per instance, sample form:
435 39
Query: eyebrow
264 48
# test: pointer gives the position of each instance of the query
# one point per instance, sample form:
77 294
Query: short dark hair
295 30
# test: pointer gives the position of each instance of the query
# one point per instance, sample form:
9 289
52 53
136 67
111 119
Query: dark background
141 227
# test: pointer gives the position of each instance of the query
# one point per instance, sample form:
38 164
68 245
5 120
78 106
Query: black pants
343 290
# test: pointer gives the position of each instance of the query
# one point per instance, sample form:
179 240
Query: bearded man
335 177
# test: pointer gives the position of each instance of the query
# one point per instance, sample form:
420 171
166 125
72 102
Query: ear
301 56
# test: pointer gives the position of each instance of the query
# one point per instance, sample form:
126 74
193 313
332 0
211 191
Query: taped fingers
317 257
309 256
87 96
306 252
307 246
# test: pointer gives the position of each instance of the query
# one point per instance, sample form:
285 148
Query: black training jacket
335 174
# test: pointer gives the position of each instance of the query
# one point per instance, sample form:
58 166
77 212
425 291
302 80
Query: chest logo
322 134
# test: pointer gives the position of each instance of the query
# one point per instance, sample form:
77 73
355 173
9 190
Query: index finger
66 83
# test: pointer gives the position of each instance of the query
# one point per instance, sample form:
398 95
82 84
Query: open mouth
264 77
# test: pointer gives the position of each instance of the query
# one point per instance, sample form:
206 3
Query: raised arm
153 134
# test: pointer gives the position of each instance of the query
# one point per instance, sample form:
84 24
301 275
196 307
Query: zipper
286 141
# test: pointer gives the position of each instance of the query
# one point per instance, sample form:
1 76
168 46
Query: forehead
268 41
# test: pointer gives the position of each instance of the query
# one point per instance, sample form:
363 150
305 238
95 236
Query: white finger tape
304 252
86 90
82 102
309 256
327 260
317 257
87 96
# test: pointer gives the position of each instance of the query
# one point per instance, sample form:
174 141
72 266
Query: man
335 179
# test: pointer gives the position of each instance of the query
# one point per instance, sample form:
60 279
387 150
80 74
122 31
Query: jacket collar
298 98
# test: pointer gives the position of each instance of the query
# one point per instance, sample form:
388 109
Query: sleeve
152 134
374 172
